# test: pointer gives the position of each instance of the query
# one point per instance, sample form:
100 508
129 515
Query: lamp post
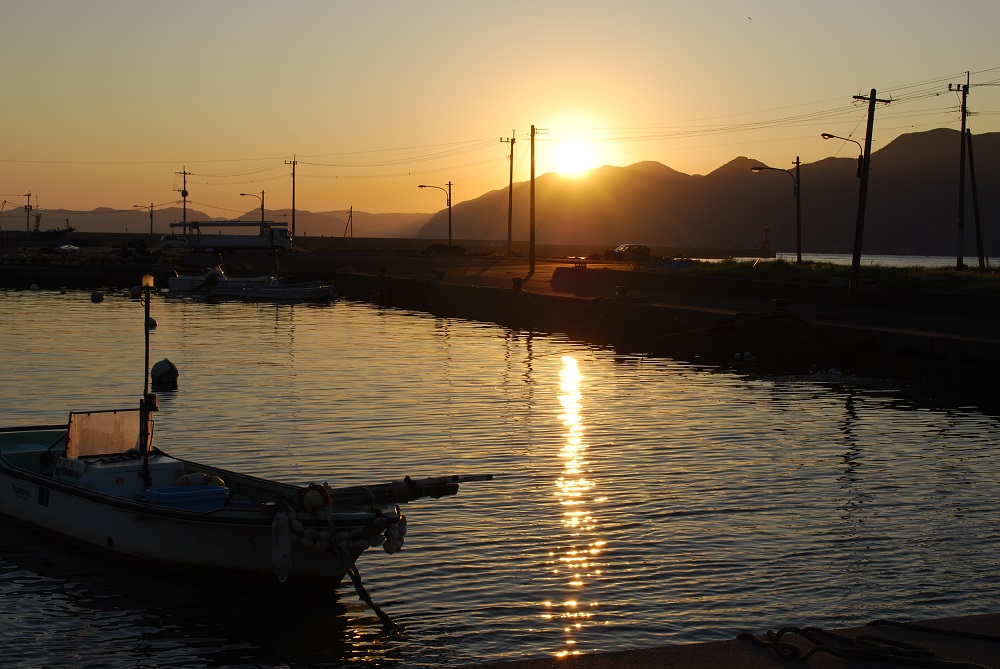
861 156
148 402
448 194
151 207
863 164
797 191
259 197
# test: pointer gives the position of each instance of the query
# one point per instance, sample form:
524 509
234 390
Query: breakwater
947 339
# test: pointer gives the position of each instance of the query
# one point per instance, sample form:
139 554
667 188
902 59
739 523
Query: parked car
174 242
631 252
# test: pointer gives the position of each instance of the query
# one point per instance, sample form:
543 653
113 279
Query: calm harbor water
970 259
637 502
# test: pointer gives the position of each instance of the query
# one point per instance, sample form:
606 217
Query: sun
574 158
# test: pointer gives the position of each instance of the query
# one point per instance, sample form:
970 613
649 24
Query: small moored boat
213 278
99 479
281 290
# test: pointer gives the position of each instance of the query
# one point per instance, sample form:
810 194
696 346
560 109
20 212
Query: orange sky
107 101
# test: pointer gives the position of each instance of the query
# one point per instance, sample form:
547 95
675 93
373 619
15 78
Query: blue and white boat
98 478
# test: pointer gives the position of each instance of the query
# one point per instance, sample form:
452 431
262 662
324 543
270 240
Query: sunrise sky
106 101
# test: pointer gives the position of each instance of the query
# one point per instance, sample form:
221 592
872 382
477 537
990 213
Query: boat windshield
103 432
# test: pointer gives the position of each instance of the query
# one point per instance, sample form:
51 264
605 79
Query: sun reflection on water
578 558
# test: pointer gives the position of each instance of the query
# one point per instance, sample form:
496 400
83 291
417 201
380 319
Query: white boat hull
234 535
217 540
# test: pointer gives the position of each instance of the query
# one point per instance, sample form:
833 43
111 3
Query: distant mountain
104 219
912 204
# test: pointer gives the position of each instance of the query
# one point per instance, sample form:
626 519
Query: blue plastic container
189 497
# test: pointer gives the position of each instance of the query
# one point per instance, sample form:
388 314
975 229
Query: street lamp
861 156
797 192
261 198
864 161
152 206
448 194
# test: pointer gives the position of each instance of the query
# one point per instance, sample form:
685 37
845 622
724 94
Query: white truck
270 237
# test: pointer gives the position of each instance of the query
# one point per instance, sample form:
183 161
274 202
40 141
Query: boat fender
306 542
182 480
381 523
297 527
196 478
360 544
312 501
375 540
217 481
311 533
281 545
315 498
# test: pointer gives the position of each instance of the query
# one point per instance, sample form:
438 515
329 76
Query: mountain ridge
912 206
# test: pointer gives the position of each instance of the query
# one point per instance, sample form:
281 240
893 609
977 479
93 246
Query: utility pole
510 194
27 215
531 214
184 196
975 203
293 163
859 229
964 90
798 210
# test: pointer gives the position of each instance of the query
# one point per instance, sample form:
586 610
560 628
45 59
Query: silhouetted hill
912 205
335 224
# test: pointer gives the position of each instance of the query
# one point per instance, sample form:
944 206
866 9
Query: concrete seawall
950 340
925 338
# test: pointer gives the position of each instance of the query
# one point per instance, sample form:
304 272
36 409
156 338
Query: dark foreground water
637 502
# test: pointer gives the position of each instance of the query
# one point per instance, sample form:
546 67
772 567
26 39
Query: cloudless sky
106 101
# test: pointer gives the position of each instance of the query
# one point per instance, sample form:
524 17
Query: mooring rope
863 646
359 587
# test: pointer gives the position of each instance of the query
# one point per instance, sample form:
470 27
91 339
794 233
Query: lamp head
757 168
422 186
147 280
827 135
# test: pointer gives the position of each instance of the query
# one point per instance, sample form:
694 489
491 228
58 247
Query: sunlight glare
575 158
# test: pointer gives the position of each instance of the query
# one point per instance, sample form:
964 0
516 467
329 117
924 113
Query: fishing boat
99 479
213 278
281 290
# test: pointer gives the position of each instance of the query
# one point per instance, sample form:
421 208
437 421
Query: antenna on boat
148 402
